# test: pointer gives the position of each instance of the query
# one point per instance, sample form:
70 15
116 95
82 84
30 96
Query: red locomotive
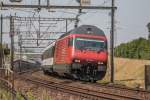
80 54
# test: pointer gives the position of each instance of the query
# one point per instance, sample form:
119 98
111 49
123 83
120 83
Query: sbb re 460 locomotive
81 54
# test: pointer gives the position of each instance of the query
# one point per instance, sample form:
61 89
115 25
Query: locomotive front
89 53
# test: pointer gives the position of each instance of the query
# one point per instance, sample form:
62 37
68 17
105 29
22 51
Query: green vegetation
19 97
30 96
6 95
137 49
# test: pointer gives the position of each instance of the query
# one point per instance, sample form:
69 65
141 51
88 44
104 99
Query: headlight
100 63
77 61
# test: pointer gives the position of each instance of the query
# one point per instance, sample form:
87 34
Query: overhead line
32 47
37 39
57 7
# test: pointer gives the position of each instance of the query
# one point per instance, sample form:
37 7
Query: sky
131 18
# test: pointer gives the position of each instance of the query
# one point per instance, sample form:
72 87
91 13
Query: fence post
147 77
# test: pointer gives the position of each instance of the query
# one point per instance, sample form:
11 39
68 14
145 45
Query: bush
138 49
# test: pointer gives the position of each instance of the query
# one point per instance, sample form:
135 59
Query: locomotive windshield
89 44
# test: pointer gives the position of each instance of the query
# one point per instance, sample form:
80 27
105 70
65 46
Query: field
129 72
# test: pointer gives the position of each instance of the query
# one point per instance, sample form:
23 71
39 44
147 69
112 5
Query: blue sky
132 17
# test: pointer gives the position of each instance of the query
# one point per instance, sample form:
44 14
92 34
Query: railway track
107 94
8 86
136 93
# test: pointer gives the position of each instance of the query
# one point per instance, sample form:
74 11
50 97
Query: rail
87 93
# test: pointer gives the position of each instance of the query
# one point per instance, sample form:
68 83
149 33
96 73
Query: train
80 54
25 65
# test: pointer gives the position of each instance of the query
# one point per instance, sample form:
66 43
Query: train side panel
62 56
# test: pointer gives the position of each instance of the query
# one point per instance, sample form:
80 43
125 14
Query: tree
139 49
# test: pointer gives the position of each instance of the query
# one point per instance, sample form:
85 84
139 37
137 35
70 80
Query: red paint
64 54
91 56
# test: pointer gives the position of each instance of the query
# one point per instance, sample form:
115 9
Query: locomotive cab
89 57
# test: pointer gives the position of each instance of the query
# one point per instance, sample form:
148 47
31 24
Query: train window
89 44
50 52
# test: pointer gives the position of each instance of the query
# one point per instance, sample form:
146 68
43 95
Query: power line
56 7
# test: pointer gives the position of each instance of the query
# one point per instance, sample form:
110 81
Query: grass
6 95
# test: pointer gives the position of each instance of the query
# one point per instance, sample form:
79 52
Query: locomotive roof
85 29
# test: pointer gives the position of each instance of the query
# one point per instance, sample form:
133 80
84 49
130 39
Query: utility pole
20 45
1 46
38 33
39 3
12 40
48 1
66 26
1 43
112 41
12 49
